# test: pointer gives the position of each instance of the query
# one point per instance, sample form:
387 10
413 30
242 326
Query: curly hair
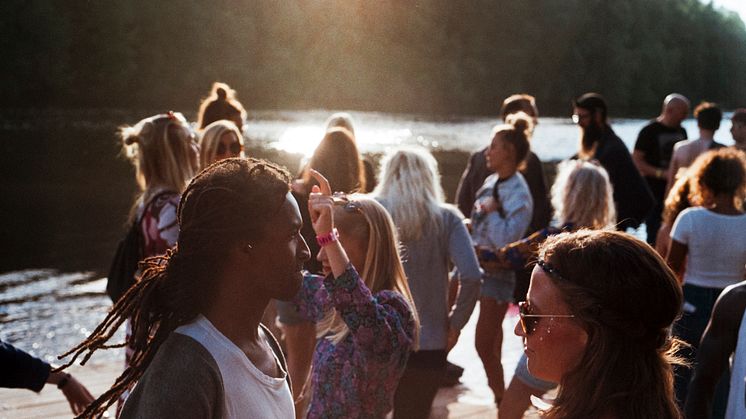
231 200
717 172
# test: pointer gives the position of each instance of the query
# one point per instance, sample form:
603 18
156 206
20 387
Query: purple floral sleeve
382 325
357 376
313 299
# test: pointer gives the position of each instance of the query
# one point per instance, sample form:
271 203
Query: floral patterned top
357 377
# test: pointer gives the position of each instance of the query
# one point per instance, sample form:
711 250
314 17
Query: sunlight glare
301 139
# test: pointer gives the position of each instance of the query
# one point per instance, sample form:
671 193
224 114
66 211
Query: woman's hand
321 205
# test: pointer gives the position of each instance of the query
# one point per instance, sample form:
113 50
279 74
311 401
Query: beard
591 135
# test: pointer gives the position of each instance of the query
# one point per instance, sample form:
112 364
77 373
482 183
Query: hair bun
521 122
222 94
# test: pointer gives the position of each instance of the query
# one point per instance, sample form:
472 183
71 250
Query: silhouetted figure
653 150
221 104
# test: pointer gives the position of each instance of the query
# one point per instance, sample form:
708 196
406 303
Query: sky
738 6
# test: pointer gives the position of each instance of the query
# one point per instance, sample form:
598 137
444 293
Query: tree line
425 56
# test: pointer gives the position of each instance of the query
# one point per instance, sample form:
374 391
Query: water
66 196
554 138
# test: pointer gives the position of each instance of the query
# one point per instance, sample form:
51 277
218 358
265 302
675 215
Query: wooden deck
471 399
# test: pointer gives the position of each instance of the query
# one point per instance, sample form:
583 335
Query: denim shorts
499 287
521 373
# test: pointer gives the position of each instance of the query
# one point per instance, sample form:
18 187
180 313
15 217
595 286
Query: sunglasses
529 322
341 199
234 148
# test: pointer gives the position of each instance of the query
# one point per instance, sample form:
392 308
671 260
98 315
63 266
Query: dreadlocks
229 201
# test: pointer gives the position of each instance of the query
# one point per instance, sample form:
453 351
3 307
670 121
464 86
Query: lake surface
66 192
554 138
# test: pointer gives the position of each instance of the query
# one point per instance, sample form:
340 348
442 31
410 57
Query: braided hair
231 200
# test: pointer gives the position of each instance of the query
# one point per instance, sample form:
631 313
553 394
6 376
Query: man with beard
632 197
653 150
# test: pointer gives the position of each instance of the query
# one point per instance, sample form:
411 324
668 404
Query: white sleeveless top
249 393
736 396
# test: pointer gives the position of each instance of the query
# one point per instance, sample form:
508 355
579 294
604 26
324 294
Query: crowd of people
339 292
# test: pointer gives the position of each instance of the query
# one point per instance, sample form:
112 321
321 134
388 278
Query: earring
248 247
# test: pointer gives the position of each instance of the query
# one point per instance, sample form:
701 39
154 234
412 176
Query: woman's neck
506 172
724 204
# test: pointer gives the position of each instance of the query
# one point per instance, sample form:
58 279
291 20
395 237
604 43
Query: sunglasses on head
529 322
341 199
234 148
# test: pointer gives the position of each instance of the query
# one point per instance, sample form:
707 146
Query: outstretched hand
77 395
321 205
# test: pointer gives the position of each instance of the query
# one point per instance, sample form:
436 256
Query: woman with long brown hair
597 320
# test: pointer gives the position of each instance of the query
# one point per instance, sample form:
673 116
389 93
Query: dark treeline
427 56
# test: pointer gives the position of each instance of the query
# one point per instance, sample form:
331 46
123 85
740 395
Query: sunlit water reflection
554 138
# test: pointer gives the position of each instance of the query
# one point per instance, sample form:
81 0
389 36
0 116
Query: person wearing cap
653 150
598 141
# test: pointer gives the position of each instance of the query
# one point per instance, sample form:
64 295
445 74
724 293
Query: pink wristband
327 238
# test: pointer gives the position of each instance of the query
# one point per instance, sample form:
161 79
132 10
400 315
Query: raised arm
381 324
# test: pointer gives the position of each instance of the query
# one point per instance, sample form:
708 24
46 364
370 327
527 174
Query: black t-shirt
656 141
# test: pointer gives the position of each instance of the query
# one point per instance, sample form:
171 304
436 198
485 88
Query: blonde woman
433 236
220 140
164 151
501 215
367 320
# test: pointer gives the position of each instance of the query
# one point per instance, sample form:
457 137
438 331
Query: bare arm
638 156
676 256
76 394
718 343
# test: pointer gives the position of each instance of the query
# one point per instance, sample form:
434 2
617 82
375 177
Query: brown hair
221 104
625 297
517 103
230 201
721 171
677 199
708 116
338 159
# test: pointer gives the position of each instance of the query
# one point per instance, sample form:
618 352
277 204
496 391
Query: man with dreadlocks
199 349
